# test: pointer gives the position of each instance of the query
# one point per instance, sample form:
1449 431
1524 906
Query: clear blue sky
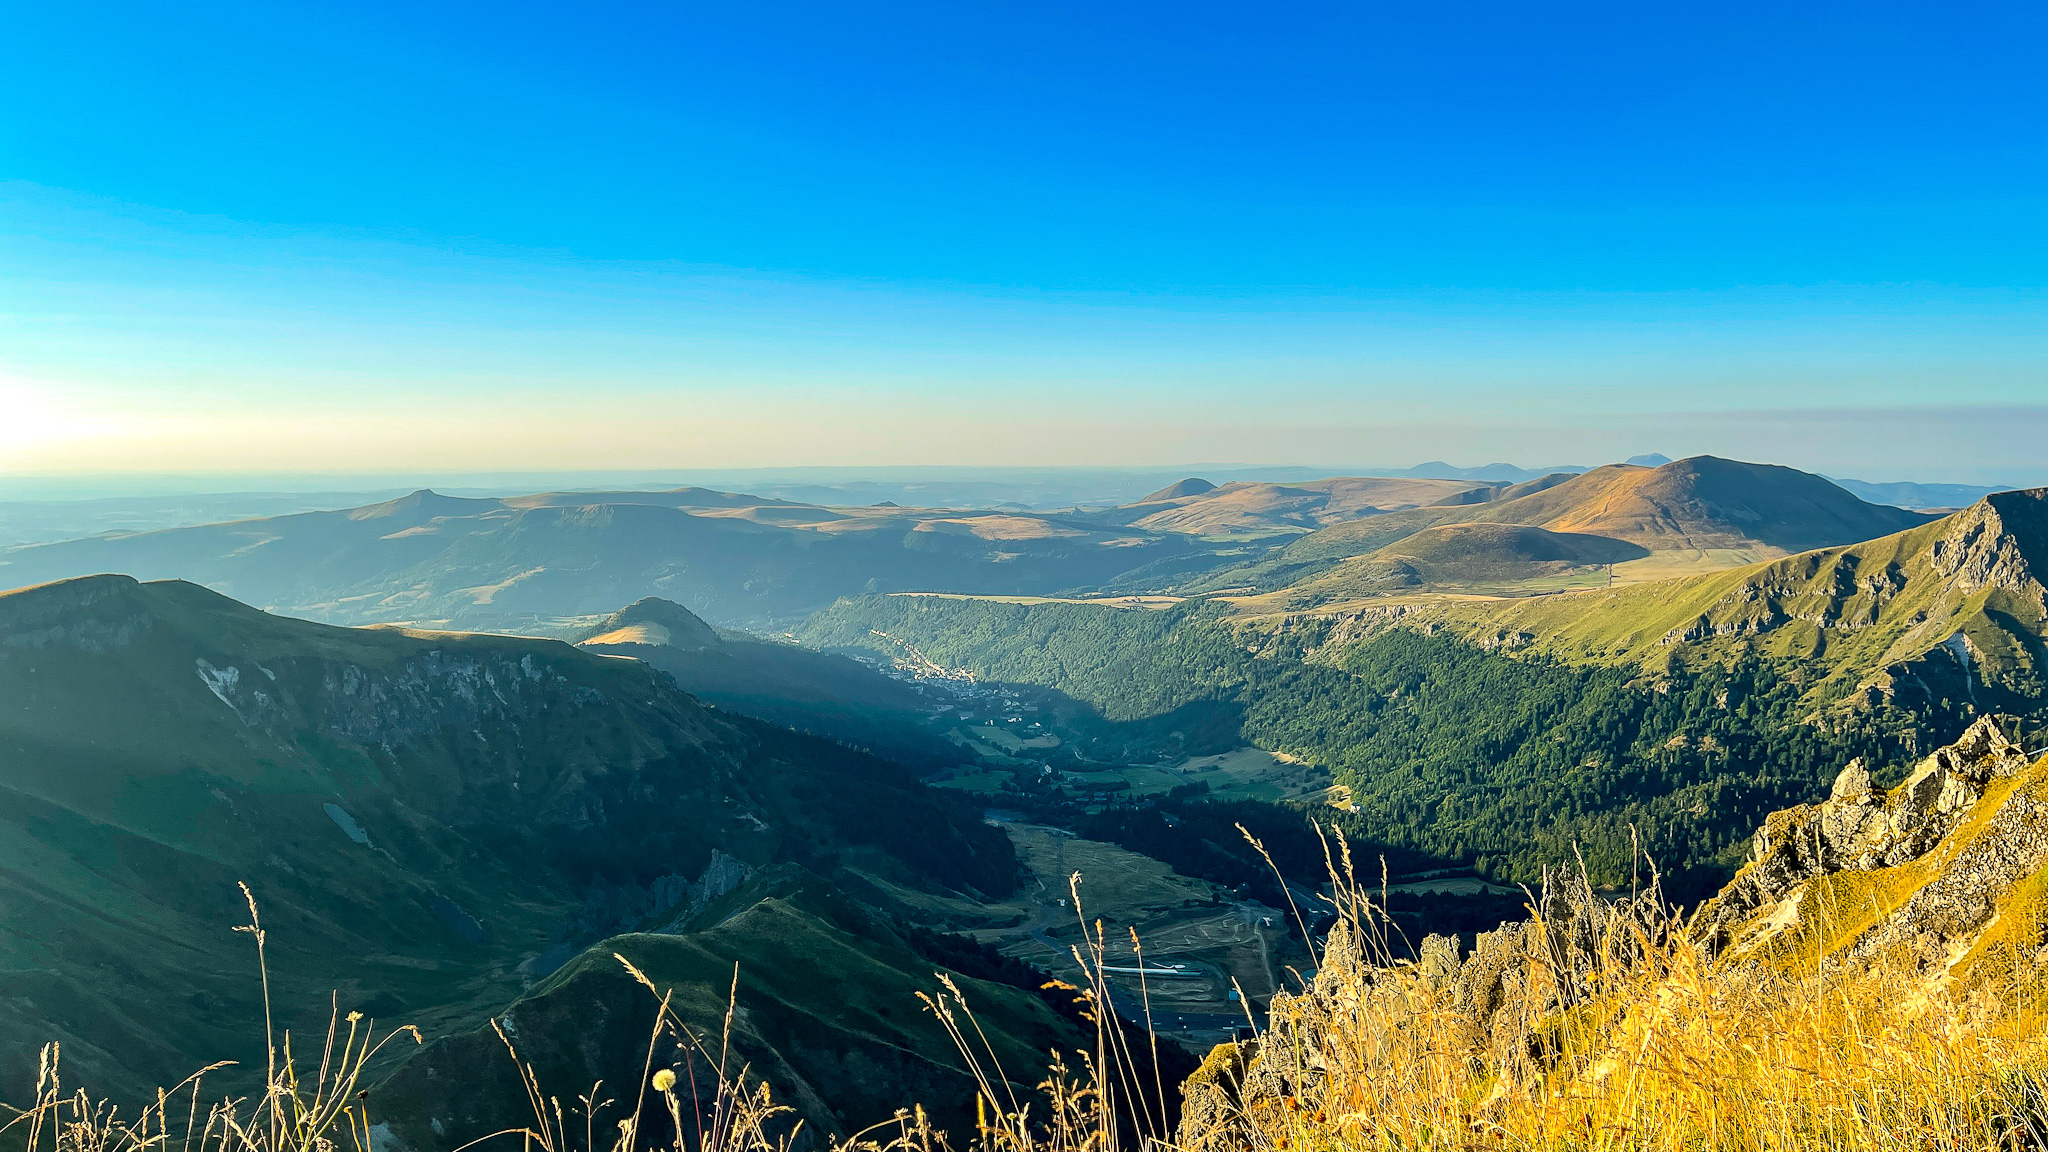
680 235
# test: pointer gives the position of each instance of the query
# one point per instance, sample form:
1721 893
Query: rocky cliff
1943 879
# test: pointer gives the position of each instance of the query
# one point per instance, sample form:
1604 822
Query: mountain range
546 562
535 561
474 832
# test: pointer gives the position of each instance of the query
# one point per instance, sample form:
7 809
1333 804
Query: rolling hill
527 563
1472 554
1196 507
1691 515
429 821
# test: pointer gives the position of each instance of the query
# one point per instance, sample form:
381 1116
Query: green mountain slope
533 561
427 820
1473 555
1445 747
829 1017
1518 729
1953 610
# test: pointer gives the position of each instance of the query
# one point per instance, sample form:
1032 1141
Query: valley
1461 684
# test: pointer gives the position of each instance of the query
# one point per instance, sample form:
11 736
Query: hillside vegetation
429 821
1868 984
1952 611
1446 748
1871 981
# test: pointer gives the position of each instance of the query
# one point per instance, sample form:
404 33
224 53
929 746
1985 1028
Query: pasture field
1255 774
1177 919
987 781
1008 740
1153 602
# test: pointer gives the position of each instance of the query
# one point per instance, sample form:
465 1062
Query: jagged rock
1212 1117
1858 829
1958 848
1481 997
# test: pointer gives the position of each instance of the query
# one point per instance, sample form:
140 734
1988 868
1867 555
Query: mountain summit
1192 486
654 622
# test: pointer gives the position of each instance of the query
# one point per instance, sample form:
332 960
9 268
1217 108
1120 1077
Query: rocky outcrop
1987 546
1859 829
1937 873
1478 1000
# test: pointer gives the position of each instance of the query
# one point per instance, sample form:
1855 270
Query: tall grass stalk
1610 1026
1635 1038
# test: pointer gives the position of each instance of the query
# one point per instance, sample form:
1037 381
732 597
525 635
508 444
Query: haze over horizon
238 240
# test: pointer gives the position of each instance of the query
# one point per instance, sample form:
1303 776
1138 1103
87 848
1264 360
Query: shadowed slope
419 814
827 695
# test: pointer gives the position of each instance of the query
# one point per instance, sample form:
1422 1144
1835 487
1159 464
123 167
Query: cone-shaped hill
652 622
427 820
1192 486
827 695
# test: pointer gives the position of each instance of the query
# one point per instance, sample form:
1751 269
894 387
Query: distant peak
654 622
1649 460
424 502
1192 486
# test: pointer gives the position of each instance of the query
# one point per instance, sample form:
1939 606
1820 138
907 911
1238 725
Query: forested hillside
1447 748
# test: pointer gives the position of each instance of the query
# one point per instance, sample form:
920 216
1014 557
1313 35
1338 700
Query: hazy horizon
386 240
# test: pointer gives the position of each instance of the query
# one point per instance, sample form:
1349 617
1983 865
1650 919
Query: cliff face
1922 870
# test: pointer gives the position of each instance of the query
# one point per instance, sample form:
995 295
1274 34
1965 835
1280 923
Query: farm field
1224 944
987 781
1255 774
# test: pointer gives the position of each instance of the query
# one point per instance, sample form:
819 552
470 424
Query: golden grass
1614 1030
1638 1039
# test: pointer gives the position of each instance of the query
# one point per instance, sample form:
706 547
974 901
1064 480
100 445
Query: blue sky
389 237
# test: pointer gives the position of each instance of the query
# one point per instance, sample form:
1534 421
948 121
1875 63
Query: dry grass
1620 1031
1610 1028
